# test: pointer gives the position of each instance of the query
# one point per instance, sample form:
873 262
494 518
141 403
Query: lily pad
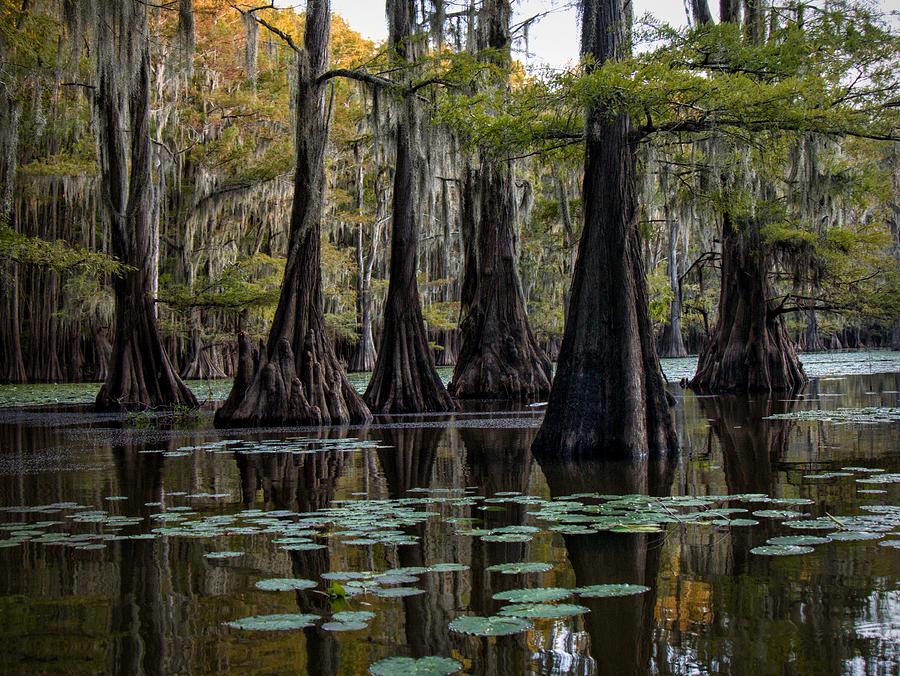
604 590
778 514
495 625
536 595
397 592
409 666
854 536
284 584
215 556
781 550
277 622
801 540
522 567
544 611
344 626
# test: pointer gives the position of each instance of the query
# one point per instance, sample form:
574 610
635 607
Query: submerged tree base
269 391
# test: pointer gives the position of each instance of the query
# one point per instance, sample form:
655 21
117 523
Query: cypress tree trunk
405 378
608 395
499 357
12 363
297 378
749 349
672 341
364 356
140 373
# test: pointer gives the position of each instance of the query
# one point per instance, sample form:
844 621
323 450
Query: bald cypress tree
140 372
608 395
297 378
499 357
405 377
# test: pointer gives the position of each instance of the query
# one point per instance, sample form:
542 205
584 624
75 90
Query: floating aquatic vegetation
604 590
854 536
778 514
495 625
543 611
781 550
801 540
284 584
397 592
409 666
518 568
535 595
216 556
894 544
277 622
869 414
344 626
736 522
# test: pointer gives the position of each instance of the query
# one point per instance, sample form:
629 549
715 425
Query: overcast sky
553 41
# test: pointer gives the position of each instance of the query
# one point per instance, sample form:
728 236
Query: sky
553 41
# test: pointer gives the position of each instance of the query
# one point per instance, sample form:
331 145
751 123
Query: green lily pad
507 537
604 590
447 568
344 626
353 616
522 567
895 544
736 522
778 514
802 540
409 666
781 550
284 584
544 611
536 595
397 592
495 625
277 622
215 556
854 536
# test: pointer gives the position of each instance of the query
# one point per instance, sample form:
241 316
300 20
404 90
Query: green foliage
661 294
251 283
58 255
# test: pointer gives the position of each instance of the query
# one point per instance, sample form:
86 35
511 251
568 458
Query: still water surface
78 594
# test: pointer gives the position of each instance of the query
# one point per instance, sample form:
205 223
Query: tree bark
672 340
749 349
364 356
608 395
297 378
405 379
499 357
12 362
140 373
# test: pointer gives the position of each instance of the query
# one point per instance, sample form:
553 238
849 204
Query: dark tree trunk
297 378
499 357
729 11
565 215
672 341
608 395
749 349
140 373
814 342
405 379
700 12
185 37
364 355
12 362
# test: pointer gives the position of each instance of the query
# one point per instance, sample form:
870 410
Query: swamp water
768 546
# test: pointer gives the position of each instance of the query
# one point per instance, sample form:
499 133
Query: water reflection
158 606
620 630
